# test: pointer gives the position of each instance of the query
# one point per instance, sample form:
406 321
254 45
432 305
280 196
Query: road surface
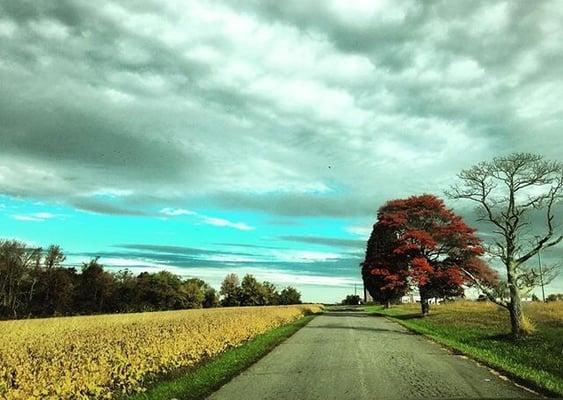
353 355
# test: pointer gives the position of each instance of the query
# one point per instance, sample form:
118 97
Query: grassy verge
480 330
201 381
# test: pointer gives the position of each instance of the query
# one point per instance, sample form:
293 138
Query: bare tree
507 190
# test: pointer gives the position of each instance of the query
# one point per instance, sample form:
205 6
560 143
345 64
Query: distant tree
385 273
252 293
126 297
271 293
507 191
431 247
17 263
352 300
162 291
36 283
230 290
95 288
289 295
54 257
54 293
193 290
554 297
63 285
210 298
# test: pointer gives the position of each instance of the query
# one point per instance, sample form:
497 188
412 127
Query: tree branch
490 295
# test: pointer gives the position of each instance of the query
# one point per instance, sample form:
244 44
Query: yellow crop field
100 356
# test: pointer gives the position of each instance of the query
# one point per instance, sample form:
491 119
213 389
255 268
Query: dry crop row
101 356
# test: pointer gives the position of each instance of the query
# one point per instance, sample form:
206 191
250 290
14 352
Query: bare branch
486 291
552 197
530 278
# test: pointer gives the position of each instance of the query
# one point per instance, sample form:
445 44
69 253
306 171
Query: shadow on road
345 309
360 314
339 314
359 328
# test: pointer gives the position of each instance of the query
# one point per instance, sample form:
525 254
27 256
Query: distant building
410 298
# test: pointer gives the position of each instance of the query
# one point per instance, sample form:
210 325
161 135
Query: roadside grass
201 381
481 331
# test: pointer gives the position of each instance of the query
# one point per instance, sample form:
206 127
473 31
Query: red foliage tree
384 276
425 245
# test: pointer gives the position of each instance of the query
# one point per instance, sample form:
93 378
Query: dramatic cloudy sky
259 136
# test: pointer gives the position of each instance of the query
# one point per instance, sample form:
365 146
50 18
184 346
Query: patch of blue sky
216 242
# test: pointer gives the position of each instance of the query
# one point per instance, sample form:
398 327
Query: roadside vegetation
198 383
481 330
97 357
418 243
351 300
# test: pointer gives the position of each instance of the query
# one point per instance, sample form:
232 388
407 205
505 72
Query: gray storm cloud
292 108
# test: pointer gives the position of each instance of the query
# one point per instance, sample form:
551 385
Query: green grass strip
201 381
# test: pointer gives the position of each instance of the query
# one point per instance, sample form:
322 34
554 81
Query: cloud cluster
320 108
282 266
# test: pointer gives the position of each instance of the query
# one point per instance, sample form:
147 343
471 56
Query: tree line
418 242
35 283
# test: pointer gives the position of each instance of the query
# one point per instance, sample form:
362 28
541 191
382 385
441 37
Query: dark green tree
95 288
351 300
290 295
194 291
271 293
252 293
54 293
210 298
230 290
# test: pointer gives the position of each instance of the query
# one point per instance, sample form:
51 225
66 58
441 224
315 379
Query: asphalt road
352 355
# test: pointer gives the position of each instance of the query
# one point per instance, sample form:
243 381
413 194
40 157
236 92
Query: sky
210 137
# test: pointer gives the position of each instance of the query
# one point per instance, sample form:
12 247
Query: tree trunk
516 318
387 303
424 301
424 305
515 305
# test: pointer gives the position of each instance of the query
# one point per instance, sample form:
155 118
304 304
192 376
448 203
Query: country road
353 355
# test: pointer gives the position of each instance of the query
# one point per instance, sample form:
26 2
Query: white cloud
205 219
225 223
176 212
7 28
35 217
124 262
220 222
300 256
361 231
